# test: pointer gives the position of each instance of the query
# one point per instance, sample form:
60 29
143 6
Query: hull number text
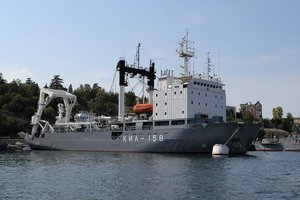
135 138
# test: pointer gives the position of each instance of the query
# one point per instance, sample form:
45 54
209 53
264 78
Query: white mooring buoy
220 149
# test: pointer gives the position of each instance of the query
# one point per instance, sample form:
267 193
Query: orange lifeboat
143 108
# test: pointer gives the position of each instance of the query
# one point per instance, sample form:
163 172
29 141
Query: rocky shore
13 144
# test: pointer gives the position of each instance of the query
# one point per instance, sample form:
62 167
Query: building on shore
297 124
254 109
297 120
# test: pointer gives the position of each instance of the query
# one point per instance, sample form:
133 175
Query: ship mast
137 56
208 66
207 69
137 65
186 53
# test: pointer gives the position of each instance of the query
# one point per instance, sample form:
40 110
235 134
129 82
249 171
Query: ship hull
268 147
291 144
166 140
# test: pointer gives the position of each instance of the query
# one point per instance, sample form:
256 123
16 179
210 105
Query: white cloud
21 74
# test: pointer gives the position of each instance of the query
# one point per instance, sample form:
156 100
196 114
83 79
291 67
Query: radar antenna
186 52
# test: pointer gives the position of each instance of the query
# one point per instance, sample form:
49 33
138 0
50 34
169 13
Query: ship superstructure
189 96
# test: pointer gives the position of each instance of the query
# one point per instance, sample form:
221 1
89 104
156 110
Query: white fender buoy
220 149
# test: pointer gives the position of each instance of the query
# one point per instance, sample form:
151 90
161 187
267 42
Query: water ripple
94 175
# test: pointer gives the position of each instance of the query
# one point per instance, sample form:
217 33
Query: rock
22 135
3 145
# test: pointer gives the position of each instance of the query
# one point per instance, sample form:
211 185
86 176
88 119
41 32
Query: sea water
100 175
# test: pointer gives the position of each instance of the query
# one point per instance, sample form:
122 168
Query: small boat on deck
143 108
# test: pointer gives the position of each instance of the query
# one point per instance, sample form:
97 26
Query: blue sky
254 44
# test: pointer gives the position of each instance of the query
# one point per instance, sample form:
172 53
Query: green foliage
267 123
96 100
70 88
49 113
130 99
105 103
2 80
18 102
231 116
83 94
247 116
56 83
8 124
288 123
277 115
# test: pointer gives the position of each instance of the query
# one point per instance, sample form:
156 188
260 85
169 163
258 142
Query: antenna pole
186 53
208 66
137 56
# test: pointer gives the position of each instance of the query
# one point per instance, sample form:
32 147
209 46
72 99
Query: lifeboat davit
143 108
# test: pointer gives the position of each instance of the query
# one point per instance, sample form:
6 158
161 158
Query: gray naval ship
184 114
289 143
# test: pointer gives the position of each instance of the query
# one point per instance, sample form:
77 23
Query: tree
29 81
83 94
277 116
231 116
2 80
288 123
130 99
30 89
70 90
17 104
267 123
247 116
56 83
277 113
94 90
106 103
